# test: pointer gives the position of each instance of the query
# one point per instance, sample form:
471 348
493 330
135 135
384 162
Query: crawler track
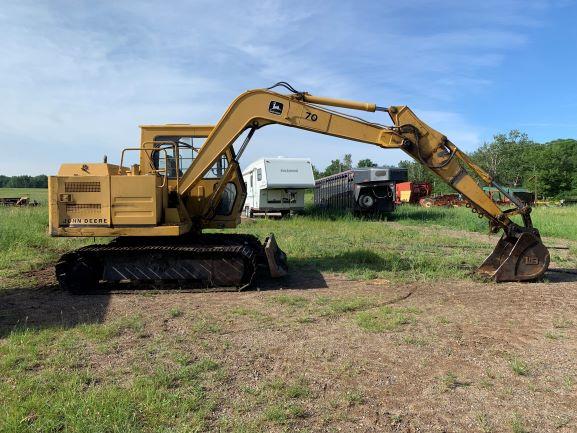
205 261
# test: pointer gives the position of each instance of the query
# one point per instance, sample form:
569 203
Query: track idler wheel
78 274
276 258
522 257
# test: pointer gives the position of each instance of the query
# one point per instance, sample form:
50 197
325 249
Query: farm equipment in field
412 192
188 180
17 201
568 201
443 200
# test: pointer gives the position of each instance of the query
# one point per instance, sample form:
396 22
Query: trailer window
259 174
251 182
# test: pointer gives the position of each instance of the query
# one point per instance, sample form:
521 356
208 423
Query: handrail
165 171
174 151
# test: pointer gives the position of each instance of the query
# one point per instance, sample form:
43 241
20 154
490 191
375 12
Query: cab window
187 148
227 200
218 169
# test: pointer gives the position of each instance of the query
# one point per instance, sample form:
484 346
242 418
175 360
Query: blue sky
78 77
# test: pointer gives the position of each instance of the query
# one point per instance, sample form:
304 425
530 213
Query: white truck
276 186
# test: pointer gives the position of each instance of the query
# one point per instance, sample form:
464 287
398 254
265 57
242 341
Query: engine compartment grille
85 207
82 186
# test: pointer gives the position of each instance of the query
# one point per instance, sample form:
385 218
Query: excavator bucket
519 258
276 258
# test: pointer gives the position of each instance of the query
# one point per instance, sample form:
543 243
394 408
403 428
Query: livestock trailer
276 186
360 190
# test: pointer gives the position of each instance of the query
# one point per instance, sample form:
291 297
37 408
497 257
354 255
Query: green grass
484 423
92 377
340 306
450 381
386 318
47 386
556 222
38 194
175 312
354 398
517 424
562 323
106 331
360 249
282 414
24 240
269 403
251 313
519 366
368 249
291 300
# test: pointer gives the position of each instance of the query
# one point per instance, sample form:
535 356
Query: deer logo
275 108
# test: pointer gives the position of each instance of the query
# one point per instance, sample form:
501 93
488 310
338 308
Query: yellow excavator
188 180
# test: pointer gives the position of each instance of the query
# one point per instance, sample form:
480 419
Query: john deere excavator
188 180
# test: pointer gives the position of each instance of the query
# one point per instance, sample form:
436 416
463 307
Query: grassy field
555 222
40 195
489 356
405 248
24 242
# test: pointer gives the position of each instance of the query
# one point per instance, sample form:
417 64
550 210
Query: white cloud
76 78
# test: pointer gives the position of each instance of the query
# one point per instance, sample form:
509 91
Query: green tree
555 168
419 173
508 158
40 181
316 173
24 181
347 161
366 163
336 166
512 159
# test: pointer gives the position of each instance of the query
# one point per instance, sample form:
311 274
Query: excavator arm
519 256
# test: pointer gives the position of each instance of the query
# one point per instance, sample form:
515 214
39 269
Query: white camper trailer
276 186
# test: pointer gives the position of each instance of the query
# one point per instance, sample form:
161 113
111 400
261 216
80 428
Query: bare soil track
477 356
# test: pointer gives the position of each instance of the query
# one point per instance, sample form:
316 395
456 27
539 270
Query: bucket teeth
519 258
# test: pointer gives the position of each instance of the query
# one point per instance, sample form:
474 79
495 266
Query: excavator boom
519 255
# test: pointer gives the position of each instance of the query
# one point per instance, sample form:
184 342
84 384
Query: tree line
511 159
24 181
337 165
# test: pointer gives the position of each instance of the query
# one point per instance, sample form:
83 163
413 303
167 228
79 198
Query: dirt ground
477 356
